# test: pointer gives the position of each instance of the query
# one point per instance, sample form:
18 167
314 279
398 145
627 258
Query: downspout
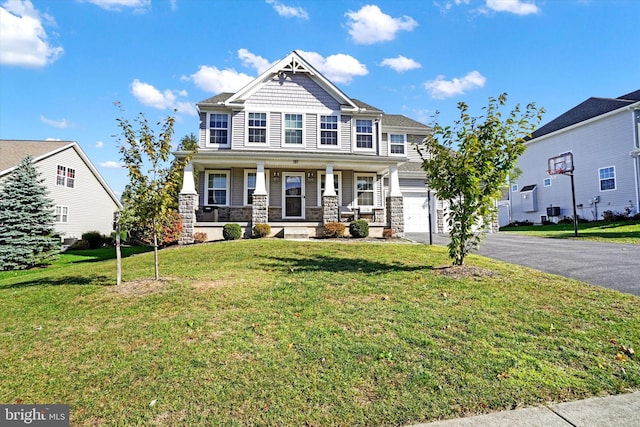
635 154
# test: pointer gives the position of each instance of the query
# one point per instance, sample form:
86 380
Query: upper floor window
219 129
607 178
293 129
397 144
217 190
66 177
547 182
365 184
364 133
61 213
257 128
329 130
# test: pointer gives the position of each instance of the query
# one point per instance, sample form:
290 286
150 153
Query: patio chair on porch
347 214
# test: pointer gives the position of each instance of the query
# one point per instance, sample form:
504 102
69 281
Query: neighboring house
267 151
603 136
82 199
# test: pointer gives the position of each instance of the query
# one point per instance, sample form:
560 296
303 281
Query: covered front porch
288 193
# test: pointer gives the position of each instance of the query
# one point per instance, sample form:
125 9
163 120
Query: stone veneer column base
330 209
187 205
260 212
395 213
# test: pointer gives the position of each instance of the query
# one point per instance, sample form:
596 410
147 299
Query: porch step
296 233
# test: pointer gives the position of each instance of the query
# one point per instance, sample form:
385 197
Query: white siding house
82 199
603 136
267 152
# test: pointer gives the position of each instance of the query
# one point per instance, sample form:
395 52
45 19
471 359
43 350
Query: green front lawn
613 232
272 332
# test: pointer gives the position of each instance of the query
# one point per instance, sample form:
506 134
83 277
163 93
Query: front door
293 195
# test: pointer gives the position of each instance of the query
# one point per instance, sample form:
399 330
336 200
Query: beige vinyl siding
347 188
345 133
90 206
238 129
311 130
311 189
202 142
274 127
237 187
297 90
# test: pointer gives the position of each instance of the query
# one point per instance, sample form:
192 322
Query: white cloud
148 95
369 25
117 5
214 80
61 124
99 144
254 61
401 63
110 164
513 6
24 41
338 68
288 11
439 88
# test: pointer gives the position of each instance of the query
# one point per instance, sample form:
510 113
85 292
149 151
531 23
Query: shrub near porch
271 332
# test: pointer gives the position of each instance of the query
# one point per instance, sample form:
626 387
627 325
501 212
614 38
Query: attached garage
416 213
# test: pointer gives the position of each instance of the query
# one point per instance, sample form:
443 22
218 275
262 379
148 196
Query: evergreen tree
26 220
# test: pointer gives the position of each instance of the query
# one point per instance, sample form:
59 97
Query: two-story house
82 199
603 136
292 150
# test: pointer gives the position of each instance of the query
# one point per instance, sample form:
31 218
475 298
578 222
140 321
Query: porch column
187 206
330 208
395 211
260 212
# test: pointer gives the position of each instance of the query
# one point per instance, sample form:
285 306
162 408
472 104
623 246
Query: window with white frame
397 144
329 130
607 178
217 188
65 177
365 185
61 213
250 178
337 183
364 134
218 129
293 129
547 182
257 128
514 188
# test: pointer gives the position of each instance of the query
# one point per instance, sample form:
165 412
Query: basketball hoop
560 164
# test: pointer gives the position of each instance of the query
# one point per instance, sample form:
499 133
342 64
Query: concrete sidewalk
611 411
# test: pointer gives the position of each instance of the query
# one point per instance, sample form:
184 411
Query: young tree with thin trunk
467 164
147 198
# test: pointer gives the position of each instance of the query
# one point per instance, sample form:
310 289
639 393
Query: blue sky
64 62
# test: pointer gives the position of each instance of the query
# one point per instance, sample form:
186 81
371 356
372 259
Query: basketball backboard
560 164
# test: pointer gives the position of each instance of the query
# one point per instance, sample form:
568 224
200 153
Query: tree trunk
155 251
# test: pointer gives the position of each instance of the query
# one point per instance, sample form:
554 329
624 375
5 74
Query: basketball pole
573 199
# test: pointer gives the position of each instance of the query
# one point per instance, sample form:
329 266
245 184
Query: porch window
250 177
217 188
329 130
219 129
293 129
364 134
257 128
397 144
607 178
65 177
61 214
337 183
365 189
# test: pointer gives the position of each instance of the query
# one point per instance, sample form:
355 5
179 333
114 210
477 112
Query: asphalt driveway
612 265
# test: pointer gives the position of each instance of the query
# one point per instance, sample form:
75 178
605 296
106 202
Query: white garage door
416 213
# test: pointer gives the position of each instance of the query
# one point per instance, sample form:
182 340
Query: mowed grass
612 232
272 332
